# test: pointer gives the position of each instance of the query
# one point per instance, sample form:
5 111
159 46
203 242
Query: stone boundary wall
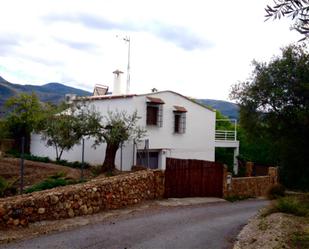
81 199
249 186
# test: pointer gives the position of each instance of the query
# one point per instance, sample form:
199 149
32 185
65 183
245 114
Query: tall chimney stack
117 82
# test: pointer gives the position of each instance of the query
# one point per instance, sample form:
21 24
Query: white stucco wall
198 142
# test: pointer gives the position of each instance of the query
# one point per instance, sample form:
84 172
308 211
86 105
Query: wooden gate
193 178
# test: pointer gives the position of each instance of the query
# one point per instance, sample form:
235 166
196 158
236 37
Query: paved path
198 226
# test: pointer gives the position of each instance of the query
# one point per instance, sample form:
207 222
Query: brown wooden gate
193 178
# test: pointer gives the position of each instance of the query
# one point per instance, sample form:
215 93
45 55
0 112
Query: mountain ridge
51 92
54 92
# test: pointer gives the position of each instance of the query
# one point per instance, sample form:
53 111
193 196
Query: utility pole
128 40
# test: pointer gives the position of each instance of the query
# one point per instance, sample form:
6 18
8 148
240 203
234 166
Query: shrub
276 191
292 205
7 187
53 181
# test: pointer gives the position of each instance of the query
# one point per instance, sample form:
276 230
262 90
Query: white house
176 125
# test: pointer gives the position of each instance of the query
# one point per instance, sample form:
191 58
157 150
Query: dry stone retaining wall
81 199
249 186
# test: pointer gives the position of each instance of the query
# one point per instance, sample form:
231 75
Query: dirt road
197 226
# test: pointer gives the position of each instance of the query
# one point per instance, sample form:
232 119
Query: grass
234 198
263 225
298 206
300 239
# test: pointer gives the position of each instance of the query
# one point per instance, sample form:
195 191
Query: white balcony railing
225 135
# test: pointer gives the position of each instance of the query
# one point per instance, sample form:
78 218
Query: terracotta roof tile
155 100
179 109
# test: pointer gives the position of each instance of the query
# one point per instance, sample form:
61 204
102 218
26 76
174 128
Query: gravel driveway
197 226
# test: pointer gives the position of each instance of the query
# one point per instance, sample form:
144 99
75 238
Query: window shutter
183 123
160 116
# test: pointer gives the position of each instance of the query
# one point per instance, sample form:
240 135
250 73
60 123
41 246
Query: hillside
54 93
228 109
51 92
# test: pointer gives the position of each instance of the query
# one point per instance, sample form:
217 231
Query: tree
118 127
274 106
24 113
298 10
59 132
66 129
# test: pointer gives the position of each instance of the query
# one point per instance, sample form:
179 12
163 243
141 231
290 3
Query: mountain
228 109
51 92
54 93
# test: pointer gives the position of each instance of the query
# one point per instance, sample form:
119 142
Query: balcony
223 135
226 133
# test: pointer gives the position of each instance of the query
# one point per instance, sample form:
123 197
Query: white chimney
117 82
69 98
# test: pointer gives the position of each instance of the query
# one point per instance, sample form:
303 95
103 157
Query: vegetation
298 10
59 132
300 239
224 155
25 112
292 205
274 108
56 180
66 129
7 187
296 204
118 127
276 191
234 198
30 157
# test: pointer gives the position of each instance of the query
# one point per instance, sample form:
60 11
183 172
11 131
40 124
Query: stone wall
6 145
249 186
81 199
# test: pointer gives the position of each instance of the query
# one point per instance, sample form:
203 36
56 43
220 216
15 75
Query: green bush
276 191
53 181
292 205
7 187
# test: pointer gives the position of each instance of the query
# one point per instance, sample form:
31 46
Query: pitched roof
109 96
148 95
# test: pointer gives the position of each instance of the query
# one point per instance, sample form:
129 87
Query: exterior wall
81 199
94 156
249 186
198 142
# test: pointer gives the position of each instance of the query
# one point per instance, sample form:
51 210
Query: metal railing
225 135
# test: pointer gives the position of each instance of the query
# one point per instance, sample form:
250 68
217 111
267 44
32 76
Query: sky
197 48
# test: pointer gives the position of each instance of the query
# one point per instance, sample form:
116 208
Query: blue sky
197 48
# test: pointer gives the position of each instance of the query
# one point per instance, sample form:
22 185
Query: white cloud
198 48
